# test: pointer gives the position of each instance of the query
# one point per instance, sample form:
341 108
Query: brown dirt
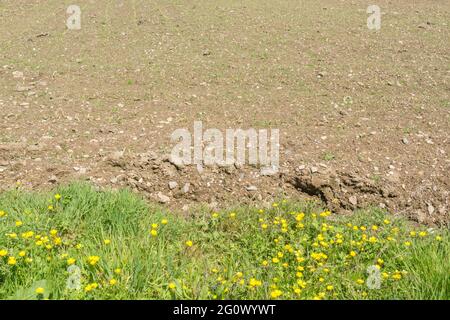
364 116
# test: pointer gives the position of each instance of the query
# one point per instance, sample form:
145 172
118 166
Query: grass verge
78 243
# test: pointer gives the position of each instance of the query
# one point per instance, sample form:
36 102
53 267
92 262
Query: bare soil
364 116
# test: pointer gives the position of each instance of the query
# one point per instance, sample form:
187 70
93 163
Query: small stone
430 209
23 88
268 171
251 188
314 169
53 179
17 74
353 200
173 185
186 187
162 198
405 141
178 163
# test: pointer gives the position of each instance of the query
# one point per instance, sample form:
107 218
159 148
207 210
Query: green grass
232 253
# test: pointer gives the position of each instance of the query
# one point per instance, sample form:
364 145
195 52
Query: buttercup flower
40 290
92 260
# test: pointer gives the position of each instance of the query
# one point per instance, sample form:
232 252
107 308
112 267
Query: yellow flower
325 214
106 241
19 223
28 234
275 260
301 283
353 253
189 243
372 239
254 283
265 263
407 243
50 208
154 225
422 234
154 233
88 288
57 241
79 246
112 282
275 294
319 296
164 221
28 260
232 215
438 238
92 260
380 261
12 261
39 243
57 196
264 226
374 227
3 253
22 254
12 235
71 261
330 287
172 286
397 276
386 221
412 233
215 215
53 232
117 271
2 214
40 290
360 281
